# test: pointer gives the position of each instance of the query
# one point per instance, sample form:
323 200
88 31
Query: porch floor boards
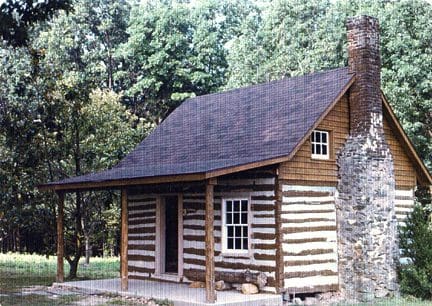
178 293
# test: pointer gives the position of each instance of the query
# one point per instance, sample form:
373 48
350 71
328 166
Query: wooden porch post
124 241
209 242
60 237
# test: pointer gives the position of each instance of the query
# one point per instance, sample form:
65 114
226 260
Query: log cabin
303 179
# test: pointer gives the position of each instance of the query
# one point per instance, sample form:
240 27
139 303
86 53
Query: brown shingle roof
229 129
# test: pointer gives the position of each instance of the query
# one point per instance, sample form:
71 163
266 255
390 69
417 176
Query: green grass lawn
46 267
18 271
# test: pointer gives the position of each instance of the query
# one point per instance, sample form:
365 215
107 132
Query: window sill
237 255
320 157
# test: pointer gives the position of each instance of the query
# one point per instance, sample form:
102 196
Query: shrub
416 247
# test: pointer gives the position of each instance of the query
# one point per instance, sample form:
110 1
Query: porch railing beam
209 242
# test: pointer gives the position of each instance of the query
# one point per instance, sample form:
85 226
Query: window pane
236 218
229 218
245 243
229 206
244 218
324 137
318 137
236 205
313 149
238 243
318 149
245 231
230 244
230 231
237 231
244 205
324 150
313 138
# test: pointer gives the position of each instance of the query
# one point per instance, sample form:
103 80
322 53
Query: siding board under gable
302 168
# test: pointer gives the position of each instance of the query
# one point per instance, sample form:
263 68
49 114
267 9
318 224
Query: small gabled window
235 231
320 144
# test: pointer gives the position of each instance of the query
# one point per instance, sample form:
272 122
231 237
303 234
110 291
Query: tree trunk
73 267
87 250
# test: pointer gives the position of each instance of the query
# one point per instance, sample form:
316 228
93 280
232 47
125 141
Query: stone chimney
367 234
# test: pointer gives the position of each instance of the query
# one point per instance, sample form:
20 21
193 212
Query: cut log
257 278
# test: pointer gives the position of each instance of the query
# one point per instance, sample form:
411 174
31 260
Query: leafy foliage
17 16
415 242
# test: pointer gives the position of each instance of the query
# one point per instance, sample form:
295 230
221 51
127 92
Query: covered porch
178 293
123 284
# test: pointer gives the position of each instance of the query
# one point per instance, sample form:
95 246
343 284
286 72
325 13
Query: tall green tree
294 37
175 50
16 17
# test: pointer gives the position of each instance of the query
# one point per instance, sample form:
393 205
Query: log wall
258 186
261 258
309 238
142 235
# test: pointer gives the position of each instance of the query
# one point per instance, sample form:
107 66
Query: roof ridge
233 90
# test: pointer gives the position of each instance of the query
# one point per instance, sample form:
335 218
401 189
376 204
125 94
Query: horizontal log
263 198
263 236
262 207
304 240
143 215
254 225
234 266
132 208
199 252
142 230
147 238
263 246
289 230
141 258
145 247
259 256
199 227
306 220
289 263
310 273
143 221
312 211
135 199
312 289
309 252
294 193
199 238
260 279
139 269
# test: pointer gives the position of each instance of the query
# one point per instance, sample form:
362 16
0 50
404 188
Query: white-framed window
320 144
235 226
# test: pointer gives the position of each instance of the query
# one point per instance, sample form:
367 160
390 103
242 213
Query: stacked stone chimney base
367 224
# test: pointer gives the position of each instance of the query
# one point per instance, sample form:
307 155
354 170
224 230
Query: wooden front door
171 234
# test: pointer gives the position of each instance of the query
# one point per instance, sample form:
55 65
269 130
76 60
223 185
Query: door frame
160 236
